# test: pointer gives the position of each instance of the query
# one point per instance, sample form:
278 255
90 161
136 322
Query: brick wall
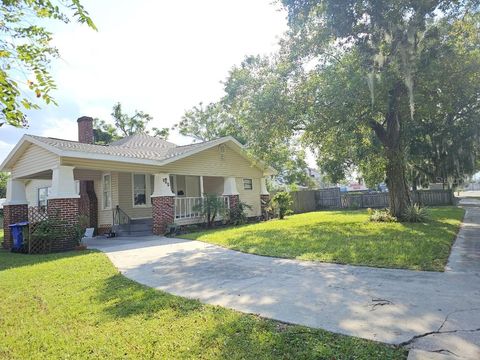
163 213
85 130
11 215
66 210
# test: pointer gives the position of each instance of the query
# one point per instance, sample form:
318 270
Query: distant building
318 179
356 186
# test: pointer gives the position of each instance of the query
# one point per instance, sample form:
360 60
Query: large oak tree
384 42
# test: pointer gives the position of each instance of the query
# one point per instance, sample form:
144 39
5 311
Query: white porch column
263 187
162 186
16 192
63 183
15 209
201 186
229 186
163 204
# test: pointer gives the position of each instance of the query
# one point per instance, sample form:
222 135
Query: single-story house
138 178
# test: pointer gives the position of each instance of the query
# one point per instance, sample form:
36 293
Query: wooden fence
311 200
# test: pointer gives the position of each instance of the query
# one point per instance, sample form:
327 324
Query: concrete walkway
435 314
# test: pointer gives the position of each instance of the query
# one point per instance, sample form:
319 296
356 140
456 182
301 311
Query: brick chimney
85 129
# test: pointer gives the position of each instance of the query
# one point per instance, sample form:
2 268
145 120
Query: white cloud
61 128
5 149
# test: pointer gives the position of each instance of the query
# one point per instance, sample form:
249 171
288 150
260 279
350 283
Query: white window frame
148 190
77 186
38 195
108 190
251 184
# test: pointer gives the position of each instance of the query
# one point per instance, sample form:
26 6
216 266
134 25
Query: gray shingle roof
142 140
139 146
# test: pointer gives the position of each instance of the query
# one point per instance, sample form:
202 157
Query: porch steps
139 227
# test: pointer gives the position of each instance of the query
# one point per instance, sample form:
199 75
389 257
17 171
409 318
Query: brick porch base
163 213
65 210
12 214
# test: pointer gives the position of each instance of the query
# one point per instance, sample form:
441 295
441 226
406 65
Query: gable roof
139 148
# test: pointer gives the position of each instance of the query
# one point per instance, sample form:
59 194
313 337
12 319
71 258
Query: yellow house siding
126 198
103 165
213 185
34 160
212 162
85 174
251 197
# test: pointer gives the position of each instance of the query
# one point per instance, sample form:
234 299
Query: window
42 196
139 190
107 191
247 184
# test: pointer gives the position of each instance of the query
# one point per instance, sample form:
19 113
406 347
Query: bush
381 215
415 213
211 207
281 203
238 215
77 232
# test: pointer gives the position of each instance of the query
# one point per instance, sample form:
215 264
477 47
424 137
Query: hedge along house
137 180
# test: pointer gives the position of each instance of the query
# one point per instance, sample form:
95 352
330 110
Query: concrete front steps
138 227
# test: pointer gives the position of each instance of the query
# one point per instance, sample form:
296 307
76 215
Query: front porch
110 200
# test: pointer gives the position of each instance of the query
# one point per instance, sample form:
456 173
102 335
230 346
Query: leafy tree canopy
389 88
26 52
3 184
125 125
255 104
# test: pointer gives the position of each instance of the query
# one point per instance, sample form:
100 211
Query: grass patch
76 305
347 237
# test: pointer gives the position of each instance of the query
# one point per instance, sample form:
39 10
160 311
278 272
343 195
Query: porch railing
187 209
120 217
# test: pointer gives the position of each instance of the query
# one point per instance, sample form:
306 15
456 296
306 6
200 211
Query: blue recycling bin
17 234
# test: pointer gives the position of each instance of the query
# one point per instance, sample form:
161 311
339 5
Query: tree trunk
391 138
398 192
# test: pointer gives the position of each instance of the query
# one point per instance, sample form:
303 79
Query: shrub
211 206
381 215
50 229
415 213
238 215
282 204
77 231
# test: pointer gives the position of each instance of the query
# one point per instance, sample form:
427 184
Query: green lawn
346 237
76 305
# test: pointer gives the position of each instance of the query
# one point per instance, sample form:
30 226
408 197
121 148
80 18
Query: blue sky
162 57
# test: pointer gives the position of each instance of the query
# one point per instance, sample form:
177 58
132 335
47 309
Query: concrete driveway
436 314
